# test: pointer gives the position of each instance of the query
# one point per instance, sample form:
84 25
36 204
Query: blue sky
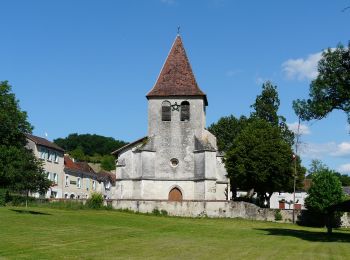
86 66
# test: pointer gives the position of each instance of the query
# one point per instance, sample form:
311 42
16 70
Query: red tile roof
43 142
176 77
79 166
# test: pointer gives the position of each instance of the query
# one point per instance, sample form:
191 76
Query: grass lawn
38 233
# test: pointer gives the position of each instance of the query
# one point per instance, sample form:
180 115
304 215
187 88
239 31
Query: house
53 163
178 159
80 180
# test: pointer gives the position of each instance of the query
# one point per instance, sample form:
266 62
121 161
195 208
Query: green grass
41 233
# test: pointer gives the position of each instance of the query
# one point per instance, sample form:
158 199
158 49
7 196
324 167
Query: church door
175 195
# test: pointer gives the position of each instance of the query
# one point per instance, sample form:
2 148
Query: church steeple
176 77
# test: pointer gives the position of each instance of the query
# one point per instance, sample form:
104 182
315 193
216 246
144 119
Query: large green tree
226 129
261 160
266 108
331 89
19 169
325 191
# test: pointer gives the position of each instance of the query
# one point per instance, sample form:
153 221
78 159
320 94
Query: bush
278 215
95 202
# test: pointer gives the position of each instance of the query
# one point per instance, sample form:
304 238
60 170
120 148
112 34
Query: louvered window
166 111
185 111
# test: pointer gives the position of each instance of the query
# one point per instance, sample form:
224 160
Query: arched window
185 111
166 111
175 195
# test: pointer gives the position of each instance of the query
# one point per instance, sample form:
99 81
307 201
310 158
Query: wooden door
175 195
282 205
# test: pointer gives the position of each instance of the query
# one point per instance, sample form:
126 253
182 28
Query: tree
317 166
266 107
261 160
331 89
108 162
89 144
19 169
325 191
226 130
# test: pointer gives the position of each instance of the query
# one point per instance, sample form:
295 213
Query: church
178 159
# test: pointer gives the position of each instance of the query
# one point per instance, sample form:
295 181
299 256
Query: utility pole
295 166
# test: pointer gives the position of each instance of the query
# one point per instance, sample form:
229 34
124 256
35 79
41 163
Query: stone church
178 159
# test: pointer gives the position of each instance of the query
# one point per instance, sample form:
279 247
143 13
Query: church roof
176 77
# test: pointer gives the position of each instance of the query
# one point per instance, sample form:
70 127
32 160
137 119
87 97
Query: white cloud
342 149
344 168
302 68
318 151
303 130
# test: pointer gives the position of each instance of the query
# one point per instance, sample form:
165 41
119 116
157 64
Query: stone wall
213 209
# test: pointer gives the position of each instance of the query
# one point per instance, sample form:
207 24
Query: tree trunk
329 222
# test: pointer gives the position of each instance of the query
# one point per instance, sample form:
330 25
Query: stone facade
178 159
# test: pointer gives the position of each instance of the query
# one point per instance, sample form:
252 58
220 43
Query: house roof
116 152
43 142
78 166
176 77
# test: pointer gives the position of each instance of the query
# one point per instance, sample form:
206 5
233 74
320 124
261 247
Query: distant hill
90 145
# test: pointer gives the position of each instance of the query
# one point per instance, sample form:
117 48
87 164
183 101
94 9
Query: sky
85 66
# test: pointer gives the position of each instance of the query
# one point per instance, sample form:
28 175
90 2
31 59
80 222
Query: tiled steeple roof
176 77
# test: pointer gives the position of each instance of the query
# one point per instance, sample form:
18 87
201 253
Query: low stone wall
212 209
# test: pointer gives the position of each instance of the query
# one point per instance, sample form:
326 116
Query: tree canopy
259 148
325 191
261 160
317 166
90 144
226 130
19 169
331 89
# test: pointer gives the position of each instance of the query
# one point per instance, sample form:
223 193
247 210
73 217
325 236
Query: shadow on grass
22 211
314 236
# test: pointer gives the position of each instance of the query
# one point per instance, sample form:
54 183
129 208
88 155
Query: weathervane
178 30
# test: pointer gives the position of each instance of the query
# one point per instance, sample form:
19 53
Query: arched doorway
175 195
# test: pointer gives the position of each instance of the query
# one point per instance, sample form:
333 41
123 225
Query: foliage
226 130
325 191
95 201
108 162
19 168
278 215
266 107
261 160
317 166
331 89
314 219
89 144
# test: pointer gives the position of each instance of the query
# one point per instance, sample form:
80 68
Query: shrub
314 219
278 215
164 212
156 212
95 202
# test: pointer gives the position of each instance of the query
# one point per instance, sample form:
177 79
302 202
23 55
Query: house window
56 158
42 153
166 111
185 111
107 185
87 184
94 185
48 175
55 178
66 181
79 182
50 155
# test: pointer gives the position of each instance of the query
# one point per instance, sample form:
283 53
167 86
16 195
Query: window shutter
166 111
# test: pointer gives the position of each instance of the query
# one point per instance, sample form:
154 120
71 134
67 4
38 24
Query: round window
174 162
